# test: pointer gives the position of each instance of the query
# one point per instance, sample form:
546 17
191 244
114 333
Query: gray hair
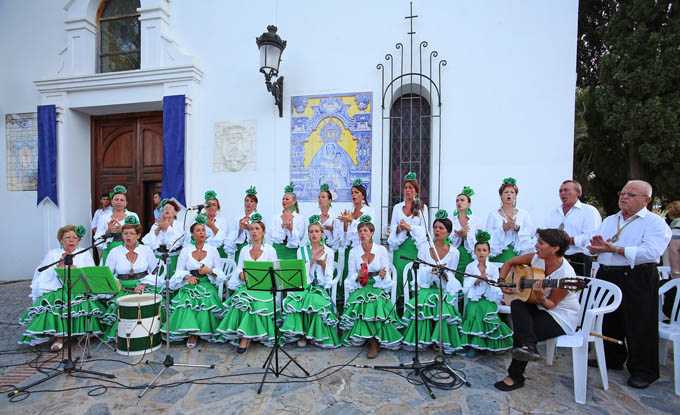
577 185
643 184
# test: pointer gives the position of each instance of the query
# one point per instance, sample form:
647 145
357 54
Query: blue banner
47 153
173 148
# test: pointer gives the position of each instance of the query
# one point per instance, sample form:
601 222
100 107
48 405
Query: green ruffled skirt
47 317
428 321
194 310
110 317
283 252
464 259
408 249
369 313
482 329
505 255
310 313
249 314
109 247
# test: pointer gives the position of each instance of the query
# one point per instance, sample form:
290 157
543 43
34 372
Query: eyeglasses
211 204
70 238
629 194
129 233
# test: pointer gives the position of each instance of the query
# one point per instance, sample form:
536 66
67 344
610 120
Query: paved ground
229 388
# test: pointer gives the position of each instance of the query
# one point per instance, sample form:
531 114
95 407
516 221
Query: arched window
409 145
119 35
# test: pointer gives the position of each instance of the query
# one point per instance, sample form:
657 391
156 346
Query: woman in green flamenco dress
511 229
164 233
132 264
407 228
249 313
465 226
482 329
196 308
428 294
46 319
239 235
288 229
216 226
111 221
369 314
309 315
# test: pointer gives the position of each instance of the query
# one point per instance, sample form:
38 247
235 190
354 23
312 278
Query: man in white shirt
105 203
579 221
628 246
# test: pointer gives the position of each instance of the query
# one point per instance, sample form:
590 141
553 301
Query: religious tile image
22 151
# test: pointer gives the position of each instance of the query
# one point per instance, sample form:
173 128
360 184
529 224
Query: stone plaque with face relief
235 146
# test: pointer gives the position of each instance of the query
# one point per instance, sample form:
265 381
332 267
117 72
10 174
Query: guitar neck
545 283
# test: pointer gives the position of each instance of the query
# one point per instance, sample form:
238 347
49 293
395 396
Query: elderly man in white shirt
628 246
579 221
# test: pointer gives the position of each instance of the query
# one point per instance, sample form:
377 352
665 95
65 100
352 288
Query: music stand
275 277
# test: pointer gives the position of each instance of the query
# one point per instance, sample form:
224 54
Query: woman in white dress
465 226
288 229
328 217
164 233
239 235
111 221
216 226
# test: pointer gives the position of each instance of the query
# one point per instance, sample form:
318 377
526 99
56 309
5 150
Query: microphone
197 207
106 235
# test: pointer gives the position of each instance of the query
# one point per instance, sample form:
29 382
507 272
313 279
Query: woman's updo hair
64 229
264 228
317 224
216 201
137 228
328 193
369 225
252 198
505 186
362 189
191 229
555 237
173 204
446 222
468 197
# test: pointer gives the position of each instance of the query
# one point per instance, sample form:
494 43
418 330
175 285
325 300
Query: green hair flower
325 188
131 220
119 189
80 231
164 201
251 191
210 195
201 219
357 182
467 191
410 176
483 236
510 180
314 219
255 217
441 214
365 219
289 188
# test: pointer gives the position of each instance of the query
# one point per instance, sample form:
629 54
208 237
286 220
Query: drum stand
169 361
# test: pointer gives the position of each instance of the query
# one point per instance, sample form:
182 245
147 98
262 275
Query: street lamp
271 47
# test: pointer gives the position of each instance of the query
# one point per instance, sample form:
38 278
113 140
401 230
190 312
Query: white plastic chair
664 272
407 269
228 267
593 270
502 308
670 331
597 299
393 274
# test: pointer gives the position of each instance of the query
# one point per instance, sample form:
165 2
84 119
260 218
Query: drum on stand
139 324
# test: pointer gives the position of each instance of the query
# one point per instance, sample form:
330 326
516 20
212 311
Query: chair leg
676 364
663 351
550 346
602 363
580 358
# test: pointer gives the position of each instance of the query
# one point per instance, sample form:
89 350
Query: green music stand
90 280
275 277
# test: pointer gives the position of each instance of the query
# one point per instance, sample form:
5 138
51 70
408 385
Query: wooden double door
127 149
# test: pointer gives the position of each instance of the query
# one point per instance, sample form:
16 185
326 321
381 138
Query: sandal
190 344
57 346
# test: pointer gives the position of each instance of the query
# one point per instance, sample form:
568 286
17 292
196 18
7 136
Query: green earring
322 241
193 240
61 246
447 240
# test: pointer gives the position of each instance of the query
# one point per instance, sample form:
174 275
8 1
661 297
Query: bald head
641 186
635 195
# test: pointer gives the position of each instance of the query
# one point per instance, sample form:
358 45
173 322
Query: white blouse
104 220
324 277
167 237
380 261
425 276
235 235
474 224
146 261
565 313
211 238
187 263
417 223
523 241
279 233
46 281
483 289
268 254
351 237
334 237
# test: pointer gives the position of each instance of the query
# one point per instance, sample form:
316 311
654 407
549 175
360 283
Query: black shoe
502 386
593 363
241 350
638 383
530 354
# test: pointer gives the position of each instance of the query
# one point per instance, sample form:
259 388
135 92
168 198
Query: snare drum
139 324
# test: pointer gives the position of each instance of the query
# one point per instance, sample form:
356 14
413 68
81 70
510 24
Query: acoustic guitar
524 277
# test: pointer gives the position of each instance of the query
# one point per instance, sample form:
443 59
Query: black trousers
530 326
636 320
581 263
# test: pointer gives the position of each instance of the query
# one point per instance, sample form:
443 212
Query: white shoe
191 345
302 343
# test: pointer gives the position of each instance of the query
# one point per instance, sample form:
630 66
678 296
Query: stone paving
231 387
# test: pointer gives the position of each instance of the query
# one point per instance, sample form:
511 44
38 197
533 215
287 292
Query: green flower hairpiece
111 196
80 231
324 188
357 182
131 220
251 191
365 219
441 214
119 189
467 191
410 176
510 180
255 217
210 195
201 219
314 219
483 236
289 188
164 201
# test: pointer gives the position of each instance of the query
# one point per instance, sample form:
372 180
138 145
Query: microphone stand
69 363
